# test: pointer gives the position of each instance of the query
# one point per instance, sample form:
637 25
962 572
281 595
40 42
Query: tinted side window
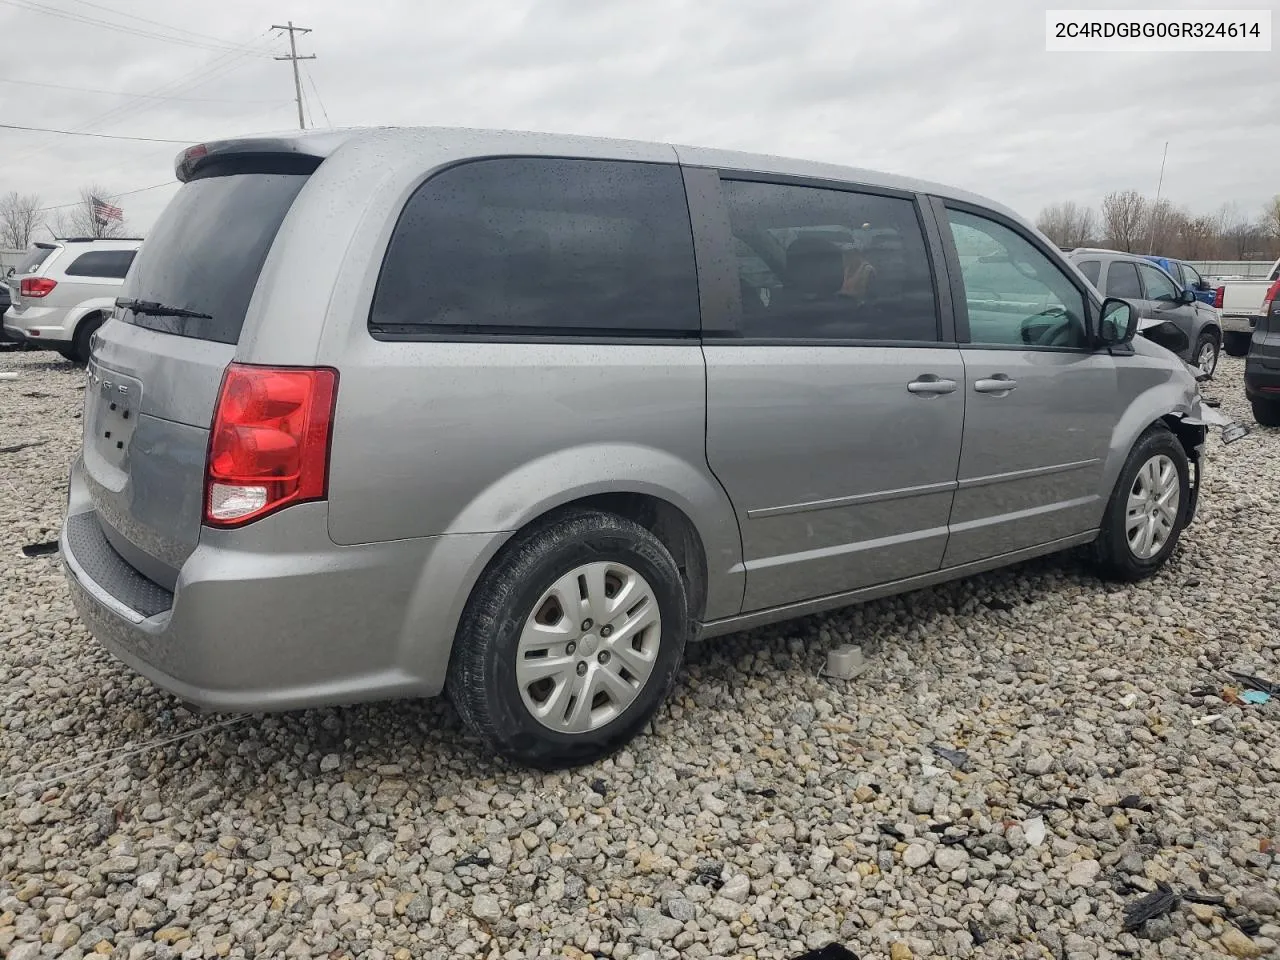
1090 269
1159 285
531 245
830 264
1015 295
102 263
1122 280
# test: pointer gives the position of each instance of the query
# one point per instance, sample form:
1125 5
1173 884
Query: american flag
103 211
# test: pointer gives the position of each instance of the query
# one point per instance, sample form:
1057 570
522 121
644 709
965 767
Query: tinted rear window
206 251
541 246
1122 280
1090 269
35 256
102 263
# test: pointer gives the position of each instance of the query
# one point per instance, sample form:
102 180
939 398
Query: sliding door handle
931 386
1000 383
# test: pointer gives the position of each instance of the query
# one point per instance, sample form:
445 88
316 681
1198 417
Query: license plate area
111 414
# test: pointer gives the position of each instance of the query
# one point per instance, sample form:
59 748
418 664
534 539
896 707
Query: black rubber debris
980 936
999 603
769 793
1256 683
474 860
599 786
1208 899
957 758
40 549
1135 802
1154 904
1248 925
832 951
15 447
891 830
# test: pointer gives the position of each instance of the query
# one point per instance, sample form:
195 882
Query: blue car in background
1186 275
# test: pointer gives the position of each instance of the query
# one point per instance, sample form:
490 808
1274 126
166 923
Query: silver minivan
391 412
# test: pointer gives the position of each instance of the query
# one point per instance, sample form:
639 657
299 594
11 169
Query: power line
114 196
127 93
293 56
157 23
312 80
35 7
81 133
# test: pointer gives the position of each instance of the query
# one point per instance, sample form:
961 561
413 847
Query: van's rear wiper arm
151 308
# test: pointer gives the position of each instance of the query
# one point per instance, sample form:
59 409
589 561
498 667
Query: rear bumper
1262 377
37 325
1238 323
276 616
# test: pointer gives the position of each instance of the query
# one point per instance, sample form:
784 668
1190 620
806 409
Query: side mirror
1117 323
1187 296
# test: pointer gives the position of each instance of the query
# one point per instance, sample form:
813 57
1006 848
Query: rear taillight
1217 297
36 286
269 446
1273 294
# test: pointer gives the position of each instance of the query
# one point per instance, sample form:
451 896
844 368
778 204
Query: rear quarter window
109 264
541 246
1090 269
33 260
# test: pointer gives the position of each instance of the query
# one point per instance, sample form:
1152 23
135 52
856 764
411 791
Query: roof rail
94 239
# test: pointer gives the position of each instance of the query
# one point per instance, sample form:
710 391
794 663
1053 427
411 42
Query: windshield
206 251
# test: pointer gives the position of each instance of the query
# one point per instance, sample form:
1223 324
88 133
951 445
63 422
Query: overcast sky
959 92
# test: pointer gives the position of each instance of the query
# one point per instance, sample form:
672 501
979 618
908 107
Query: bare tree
82 220
1162 227
1271 218
1067 224
1198 237
1123 216
20 217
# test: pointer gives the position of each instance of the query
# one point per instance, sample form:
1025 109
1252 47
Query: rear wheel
80 348
1236 344
570 641
1148 508
1205 358
1266 412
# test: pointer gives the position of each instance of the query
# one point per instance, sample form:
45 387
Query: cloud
960 93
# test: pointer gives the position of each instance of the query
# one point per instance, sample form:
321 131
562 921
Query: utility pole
293 55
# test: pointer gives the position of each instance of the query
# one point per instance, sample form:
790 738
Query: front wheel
1235 343
1266 413
1205 357
1148 508
570 641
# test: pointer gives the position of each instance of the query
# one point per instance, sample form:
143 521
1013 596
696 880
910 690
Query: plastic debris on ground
1128 700
1034 831
1256 697
1201 721
40 549
845 662
832 951
1261 684
957 758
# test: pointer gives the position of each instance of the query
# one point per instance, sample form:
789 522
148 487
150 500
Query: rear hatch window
35 257
206 251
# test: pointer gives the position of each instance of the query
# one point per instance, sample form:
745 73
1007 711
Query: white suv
63 290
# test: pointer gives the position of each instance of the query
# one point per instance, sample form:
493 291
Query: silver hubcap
588 647
1207 356
1153 507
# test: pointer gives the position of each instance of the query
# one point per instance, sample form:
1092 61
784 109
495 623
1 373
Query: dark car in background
1188 276
1168 314
1262 366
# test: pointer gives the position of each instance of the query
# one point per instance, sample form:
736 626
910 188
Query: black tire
1114 557
482 669
68 353
80 348
1206 339
1266 413
1236 344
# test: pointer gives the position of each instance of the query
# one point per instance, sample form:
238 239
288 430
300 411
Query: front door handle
930 386
1000 383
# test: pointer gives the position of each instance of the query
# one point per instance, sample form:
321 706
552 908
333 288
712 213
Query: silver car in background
515 417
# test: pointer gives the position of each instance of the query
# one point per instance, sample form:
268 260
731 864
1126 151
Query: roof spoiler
296 153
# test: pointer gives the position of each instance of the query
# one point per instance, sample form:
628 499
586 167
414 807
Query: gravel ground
769 810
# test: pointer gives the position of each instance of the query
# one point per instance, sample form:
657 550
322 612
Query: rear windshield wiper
151 308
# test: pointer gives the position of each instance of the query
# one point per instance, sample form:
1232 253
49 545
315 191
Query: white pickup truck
1239 302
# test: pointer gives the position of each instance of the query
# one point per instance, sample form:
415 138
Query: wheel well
666 522
1190 435
1214 329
